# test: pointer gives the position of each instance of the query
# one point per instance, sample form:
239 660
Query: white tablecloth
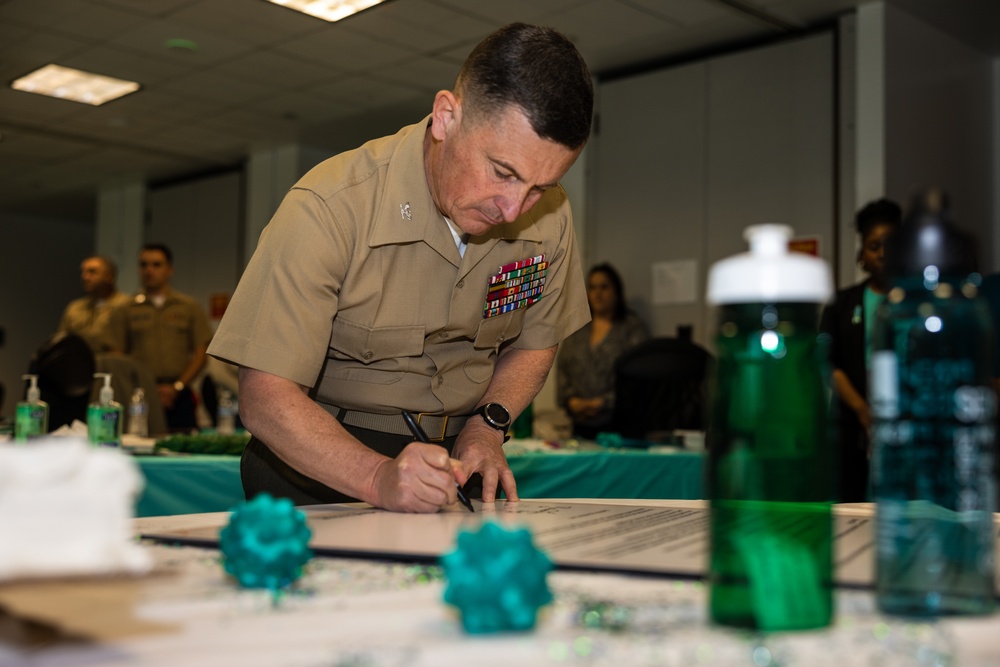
363 613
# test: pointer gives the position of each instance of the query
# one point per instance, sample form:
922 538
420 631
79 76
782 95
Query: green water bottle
933 408
771 480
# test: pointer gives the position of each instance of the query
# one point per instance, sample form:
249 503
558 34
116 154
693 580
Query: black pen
419 434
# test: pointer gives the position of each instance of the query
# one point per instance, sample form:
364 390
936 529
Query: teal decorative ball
266 543
497 579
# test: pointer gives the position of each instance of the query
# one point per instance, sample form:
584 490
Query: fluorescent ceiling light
328 10
67 83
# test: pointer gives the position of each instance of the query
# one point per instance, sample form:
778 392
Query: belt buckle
444 427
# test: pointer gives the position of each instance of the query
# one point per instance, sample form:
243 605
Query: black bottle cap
929 237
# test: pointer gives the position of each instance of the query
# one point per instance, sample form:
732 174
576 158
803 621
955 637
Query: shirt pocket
493 332
372 354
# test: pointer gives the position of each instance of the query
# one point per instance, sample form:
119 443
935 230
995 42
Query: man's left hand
480 449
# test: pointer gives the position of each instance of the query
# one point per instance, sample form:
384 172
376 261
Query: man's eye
501 175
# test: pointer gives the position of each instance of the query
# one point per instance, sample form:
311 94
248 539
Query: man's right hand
421 479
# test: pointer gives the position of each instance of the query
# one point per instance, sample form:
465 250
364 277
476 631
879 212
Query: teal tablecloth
192 484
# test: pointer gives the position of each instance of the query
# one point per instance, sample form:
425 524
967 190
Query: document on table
670 541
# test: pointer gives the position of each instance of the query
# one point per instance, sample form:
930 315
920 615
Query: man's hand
421 479
167 395
480 449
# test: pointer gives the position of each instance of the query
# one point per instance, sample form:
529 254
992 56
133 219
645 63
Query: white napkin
66 509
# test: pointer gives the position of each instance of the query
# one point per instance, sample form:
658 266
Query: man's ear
446 114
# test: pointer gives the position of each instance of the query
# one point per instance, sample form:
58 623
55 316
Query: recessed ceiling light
328 10
66 83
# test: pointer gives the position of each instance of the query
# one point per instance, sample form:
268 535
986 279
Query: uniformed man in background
88 316
436 271
167 332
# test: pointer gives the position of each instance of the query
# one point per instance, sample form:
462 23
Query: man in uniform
434 271
87 317
167 332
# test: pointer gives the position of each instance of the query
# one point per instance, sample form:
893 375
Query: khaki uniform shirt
358 291
88 318
163 339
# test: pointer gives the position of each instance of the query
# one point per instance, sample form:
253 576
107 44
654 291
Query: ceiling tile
417 24
365 92
150 38
124 64
427 74
151 8
302 108
346 50
280 71
213 86
252 22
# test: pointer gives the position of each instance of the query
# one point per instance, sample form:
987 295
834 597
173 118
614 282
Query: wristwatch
494 415
178 386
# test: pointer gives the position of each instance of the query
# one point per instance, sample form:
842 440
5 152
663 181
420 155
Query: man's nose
515 202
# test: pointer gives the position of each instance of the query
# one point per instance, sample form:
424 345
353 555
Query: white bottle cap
769 272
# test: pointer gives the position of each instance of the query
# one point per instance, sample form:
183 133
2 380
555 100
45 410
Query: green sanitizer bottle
32 417
770 479
104 418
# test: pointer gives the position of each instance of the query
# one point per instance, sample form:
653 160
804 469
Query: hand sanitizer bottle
226 422
138 414
770 480
32 417
104 418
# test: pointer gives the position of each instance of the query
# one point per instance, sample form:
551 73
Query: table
377 614
193 484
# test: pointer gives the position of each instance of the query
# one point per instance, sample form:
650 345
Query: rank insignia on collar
404 211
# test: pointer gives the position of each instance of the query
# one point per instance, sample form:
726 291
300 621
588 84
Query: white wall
687 157
201 223
939 122
40 273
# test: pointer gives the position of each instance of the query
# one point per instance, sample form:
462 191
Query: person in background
848 321
585 369
435 271
88 316
167 332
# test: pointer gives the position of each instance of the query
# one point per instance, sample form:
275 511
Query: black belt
437 427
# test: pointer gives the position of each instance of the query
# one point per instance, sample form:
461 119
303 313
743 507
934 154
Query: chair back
65 368
660 385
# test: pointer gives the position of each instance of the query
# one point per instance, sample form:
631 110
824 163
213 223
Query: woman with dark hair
848 321
585 367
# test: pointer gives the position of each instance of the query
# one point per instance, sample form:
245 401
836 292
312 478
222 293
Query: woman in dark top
848 321
585 367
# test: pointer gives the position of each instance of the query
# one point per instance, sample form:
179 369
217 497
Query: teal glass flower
496 579
266 543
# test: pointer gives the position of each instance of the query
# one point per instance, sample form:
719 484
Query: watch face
497 414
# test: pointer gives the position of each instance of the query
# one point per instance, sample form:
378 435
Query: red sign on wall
806 244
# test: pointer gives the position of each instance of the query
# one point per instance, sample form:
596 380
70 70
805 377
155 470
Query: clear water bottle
770 457
225 423
933 408
138 414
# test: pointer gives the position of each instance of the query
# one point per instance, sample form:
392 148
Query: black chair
660 386
65 368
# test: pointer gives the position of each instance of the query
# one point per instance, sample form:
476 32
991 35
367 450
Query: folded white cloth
66 510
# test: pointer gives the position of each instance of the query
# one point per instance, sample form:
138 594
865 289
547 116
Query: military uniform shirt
358 291
161 338
87 318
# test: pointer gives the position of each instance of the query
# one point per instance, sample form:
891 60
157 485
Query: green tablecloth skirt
192 484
